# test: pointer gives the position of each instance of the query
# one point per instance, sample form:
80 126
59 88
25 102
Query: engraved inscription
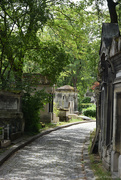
10 104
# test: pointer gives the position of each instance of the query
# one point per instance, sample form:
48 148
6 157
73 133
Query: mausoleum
109 99
39 82
66 100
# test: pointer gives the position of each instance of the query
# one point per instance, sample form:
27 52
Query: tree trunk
112 11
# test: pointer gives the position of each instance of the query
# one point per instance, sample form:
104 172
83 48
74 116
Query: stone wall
11 113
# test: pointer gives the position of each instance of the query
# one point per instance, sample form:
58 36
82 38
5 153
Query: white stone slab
119 166
114 161
85 117
118 74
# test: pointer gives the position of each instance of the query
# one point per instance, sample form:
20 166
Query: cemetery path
55 156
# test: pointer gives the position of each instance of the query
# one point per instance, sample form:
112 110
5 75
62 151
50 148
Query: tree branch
112 11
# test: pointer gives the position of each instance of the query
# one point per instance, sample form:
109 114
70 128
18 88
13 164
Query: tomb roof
66 87
109 31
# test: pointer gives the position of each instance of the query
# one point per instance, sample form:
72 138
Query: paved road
56 156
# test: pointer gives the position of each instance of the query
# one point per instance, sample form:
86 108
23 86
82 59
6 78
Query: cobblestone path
56 156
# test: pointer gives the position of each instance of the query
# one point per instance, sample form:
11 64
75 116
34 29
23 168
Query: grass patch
98 169
51 125
96 163
93 118
75 120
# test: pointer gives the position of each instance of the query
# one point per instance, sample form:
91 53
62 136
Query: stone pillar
119 166
99 145
114 161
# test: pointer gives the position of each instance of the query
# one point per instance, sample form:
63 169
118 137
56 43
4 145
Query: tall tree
111 7
49 59
78 32
19 22
112 11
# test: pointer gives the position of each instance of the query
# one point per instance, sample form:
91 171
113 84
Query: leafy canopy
19 23
78 32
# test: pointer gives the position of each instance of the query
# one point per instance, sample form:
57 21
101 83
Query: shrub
90 111
86 100
31 105
84 103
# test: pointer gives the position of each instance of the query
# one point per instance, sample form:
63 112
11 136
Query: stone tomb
66 100
109 99
11 116
39 82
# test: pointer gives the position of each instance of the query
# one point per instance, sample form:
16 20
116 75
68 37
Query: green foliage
83 103
96 162
19 23
90 111
79 33
49 59
21 46
51 125
31 105
59 39
86 100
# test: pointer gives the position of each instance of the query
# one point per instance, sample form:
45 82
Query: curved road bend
56 156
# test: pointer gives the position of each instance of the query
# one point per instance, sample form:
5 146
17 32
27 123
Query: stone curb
4 156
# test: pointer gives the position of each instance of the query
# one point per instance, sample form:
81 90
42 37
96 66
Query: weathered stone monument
11 116
109 99
39 82
66 99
